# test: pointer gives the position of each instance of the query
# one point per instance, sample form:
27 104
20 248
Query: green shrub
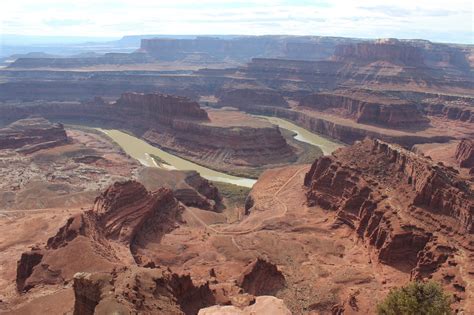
416 298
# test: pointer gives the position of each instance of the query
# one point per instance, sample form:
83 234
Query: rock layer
465 153
126 214
376 187
32 134
390 50
138 290
386 112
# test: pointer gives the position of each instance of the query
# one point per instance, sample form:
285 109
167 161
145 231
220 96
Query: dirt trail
259 226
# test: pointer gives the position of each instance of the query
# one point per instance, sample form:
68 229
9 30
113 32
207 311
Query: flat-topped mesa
161 107
390 50
32 134
465 153
395 199
247 98
366 109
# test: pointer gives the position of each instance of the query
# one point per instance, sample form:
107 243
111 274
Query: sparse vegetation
235 195
158 160
416 298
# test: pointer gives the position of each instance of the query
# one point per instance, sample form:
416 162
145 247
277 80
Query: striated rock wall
159 107
341 132
239 146
390 50
384 112
126 212
465 153
402 204
32 134
452 110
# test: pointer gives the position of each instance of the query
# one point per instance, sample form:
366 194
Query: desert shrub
416 298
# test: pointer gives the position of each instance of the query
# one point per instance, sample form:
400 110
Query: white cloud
430 19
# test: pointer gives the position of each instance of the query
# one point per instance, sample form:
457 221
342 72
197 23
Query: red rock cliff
391 112
31 134
158 105
402 204
465 153
125 216
390 50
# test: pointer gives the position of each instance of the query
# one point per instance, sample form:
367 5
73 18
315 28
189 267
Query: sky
435 20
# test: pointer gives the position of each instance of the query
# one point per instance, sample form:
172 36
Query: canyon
118 173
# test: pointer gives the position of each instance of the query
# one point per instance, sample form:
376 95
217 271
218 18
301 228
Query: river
142 151
303 135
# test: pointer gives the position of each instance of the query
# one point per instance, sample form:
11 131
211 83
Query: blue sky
436 20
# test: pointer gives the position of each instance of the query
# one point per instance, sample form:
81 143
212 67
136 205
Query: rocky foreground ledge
416 215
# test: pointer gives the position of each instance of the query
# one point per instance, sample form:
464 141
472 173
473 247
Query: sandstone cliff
415 214
32 134
159 107
465 153
347 134
124 218
218 146
390 50
383 111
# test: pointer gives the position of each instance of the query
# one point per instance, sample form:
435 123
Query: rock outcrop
159 107
402 204
131 290
261 278
218 146
124 218
264 305
342 132
371 110
32 134
188 187
390 50
465 153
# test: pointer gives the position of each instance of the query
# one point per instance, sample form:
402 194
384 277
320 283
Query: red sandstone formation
32 134
261 278
371 110
160 107
390 50
188 187
465 153
222 146
148 215
138 290
414 213
126 214
453 109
